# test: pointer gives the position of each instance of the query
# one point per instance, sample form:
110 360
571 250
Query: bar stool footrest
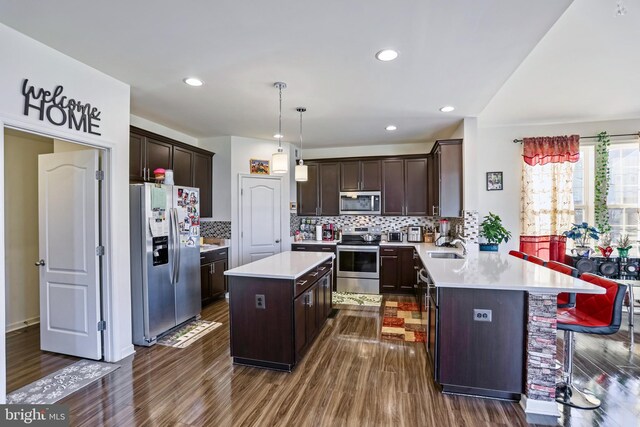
567 394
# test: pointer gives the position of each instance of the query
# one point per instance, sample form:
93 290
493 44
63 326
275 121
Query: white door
260 207
69 268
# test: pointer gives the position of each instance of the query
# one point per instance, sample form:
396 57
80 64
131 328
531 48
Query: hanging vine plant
602 173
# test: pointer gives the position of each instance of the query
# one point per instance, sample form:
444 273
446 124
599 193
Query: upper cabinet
192 166
360 175
319 195
308 199
445 186
404 186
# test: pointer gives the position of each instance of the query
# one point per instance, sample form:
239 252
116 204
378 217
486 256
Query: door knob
277 240
39 263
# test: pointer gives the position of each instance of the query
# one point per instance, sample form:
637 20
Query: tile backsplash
386 223
218 229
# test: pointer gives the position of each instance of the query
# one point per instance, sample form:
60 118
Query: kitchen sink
445 255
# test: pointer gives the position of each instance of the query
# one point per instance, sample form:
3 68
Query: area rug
188 334
349 298
60 384
402 322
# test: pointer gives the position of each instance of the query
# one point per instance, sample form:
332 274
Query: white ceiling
585 69
457 52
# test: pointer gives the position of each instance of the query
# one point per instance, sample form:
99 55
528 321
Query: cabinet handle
301 282
388 250
314 274
310 299
322 268
213 268
301 248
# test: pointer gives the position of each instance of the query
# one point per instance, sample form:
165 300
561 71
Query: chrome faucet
462 242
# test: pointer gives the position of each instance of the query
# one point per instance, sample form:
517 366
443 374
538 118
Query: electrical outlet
480 315
260 301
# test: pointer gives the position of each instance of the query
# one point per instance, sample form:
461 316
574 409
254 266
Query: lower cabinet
311 309
397 270
313 247
213 283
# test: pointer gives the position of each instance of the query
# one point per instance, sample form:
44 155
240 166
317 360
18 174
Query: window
624 188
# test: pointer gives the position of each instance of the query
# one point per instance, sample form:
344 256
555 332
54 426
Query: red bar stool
534 259
517 254
565 299
592 314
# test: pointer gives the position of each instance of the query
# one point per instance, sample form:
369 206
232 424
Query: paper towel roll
318 232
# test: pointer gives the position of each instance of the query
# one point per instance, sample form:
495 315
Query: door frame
106 286
241 177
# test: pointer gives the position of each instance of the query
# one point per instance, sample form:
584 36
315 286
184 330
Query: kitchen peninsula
277 307
492 325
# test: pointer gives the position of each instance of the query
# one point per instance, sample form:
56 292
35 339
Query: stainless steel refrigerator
165 258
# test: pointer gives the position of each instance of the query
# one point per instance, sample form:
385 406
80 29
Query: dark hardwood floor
348 378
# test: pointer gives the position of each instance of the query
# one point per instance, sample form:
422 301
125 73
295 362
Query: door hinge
99 250
241 234
100 175
102 325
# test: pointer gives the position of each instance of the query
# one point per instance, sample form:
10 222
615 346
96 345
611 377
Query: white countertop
210 247
316 242
285 265
495 270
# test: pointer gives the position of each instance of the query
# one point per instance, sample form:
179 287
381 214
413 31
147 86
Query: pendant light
280 160
301 169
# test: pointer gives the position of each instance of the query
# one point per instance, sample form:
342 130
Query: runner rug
188 333
349 298
402 321
62 383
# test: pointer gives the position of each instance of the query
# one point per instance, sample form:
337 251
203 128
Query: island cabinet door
300 321
312 312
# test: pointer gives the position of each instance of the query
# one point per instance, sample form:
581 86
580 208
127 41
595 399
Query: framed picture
494 181
259 167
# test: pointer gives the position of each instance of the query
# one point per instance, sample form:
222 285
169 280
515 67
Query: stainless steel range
358 267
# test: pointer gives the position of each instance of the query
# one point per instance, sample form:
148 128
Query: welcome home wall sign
60 110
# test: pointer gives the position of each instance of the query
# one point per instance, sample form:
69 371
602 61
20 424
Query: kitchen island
491 325
277 307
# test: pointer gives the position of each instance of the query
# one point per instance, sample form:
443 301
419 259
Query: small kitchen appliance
414 234
327 232
395 236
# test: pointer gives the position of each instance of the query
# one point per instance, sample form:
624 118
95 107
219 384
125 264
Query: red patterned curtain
551 149
547 194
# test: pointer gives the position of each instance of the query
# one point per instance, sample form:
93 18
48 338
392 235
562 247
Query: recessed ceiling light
447 109
387 55
277 135
391 127
192 81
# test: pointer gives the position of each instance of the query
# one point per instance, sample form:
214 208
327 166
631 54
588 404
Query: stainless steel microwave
360 203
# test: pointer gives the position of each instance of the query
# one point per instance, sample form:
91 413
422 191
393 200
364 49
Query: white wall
46 68
242 150
221 175
497 152
21 226
367 150
154 127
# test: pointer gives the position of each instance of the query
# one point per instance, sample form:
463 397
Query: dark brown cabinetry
313 247
290 315
192 166
360 175
319 195
397 270
455 333
404 186
213 283
445 185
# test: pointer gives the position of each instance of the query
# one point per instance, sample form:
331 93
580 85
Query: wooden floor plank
349 377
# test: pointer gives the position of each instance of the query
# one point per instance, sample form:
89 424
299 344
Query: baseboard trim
22 324
539 407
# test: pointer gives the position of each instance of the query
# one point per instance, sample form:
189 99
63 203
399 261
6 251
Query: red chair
565 299
534 259
517 254
592 314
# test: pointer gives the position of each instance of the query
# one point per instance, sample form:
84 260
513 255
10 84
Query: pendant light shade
280 159
302 173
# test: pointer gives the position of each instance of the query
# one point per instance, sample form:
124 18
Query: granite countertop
316 242
495 270
285 265
210 247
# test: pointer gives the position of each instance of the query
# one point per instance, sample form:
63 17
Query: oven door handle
358 248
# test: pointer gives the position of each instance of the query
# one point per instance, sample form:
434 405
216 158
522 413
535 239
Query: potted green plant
492 230
582 234
624 244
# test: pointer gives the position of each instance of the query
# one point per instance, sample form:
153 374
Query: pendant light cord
300 133
280 121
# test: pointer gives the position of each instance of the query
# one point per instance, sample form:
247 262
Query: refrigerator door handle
172 246
177 245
